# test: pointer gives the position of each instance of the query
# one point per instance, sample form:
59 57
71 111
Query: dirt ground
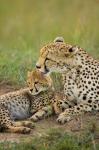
75 126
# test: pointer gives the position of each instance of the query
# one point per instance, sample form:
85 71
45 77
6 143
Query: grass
25 26
54 140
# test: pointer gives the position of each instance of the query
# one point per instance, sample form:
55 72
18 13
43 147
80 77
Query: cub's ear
28 73
73 49
59 39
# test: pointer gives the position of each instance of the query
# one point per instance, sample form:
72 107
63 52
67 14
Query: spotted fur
80 76
22 104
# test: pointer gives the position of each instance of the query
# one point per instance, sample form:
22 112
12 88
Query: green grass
25 26
54 140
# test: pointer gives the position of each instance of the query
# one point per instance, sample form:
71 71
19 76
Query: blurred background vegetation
26 25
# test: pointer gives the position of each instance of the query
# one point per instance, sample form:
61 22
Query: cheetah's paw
63 118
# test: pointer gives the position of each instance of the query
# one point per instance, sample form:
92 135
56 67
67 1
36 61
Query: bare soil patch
87 122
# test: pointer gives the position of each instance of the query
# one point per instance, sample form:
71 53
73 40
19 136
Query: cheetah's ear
73 49
59 39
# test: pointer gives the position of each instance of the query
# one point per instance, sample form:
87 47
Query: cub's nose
31 90
38 67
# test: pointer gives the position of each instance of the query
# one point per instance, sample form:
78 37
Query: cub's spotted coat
22 105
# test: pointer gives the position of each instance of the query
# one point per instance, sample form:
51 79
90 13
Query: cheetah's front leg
69 114
42 113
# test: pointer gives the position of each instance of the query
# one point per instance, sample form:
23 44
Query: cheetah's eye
71 50
47 59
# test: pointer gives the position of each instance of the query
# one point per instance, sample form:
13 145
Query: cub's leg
68 114
20 129
7 125
42 113
57 109
62 103
25 123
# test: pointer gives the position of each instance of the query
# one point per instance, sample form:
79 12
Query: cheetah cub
47 100
33 104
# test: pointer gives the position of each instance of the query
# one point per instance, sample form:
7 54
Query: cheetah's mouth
46 70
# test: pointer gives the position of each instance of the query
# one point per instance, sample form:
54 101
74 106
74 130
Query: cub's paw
25 130
34 118
38 116
28 124
48 111
63 118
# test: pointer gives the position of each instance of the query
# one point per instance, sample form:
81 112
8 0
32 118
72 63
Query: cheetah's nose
38 67
31 90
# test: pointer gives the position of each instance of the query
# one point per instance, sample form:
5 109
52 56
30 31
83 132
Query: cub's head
56 56
38 82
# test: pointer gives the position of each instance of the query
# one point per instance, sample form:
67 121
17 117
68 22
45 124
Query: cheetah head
56 56
38 82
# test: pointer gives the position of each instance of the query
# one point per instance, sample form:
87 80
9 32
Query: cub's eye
28 82
36 82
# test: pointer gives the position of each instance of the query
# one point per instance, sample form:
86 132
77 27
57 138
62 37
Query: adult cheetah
80 76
